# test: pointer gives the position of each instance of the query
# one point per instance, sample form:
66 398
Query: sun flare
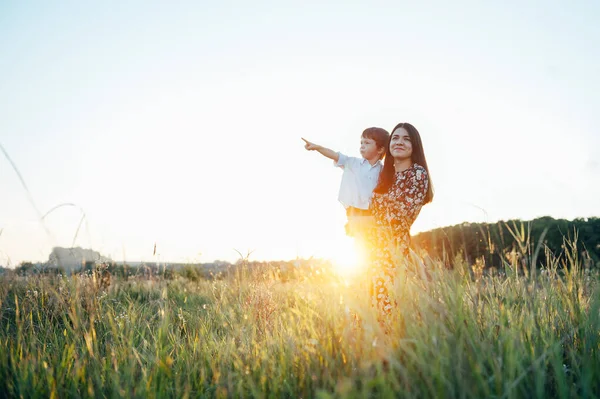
347 258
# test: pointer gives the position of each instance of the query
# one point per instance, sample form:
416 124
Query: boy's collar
375 164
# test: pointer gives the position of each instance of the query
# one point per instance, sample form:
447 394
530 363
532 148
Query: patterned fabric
394 212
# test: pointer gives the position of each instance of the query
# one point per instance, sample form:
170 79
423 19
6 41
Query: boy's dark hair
377 134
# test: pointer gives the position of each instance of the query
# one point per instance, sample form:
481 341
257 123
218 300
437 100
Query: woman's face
400 144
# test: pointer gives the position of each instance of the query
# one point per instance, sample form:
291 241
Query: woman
403 188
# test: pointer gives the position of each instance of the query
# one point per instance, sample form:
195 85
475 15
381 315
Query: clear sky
179 123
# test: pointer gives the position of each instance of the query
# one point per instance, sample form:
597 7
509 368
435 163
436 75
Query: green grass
455 333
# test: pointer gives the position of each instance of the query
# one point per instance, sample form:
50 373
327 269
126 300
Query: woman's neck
402 165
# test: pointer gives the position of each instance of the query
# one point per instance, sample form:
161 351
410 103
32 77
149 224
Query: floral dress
394 212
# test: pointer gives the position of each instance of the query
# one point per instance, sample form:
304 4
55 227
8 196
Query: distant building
71 259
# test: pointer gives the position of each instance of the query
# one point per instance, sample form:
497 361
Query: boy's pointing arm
322 150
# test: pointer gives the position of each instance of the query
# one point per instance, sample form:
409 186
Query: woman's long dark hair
388 173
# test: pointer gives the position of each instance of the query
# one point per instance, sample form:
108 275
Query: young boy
360 174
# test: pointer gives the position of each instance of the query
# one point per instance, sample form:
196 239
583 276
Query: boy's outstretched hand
322 150
309 146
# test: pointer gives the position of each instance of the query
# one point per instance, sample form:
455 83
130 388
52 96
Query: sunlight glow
347 258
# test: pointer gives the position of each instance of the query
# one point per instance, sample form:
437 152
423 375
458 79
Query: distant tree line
313 269
495 242
490 243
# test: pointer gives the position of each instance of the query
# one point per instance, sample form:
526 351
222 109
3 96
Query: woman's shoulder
418 167
419 171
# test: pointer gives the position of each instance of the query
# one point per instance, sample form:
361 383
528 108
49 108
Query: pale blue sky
181 124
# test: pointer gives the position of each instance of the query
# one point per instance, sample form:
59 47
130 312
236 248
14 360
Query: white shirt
358 180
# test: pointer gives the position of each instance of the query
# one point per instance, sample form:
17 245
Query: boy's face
369 150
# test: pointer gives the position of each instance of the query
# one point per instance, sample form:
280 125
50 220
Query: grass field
513 332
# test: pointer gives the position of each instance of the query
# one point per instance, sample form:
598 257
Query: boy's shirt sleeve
345 162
